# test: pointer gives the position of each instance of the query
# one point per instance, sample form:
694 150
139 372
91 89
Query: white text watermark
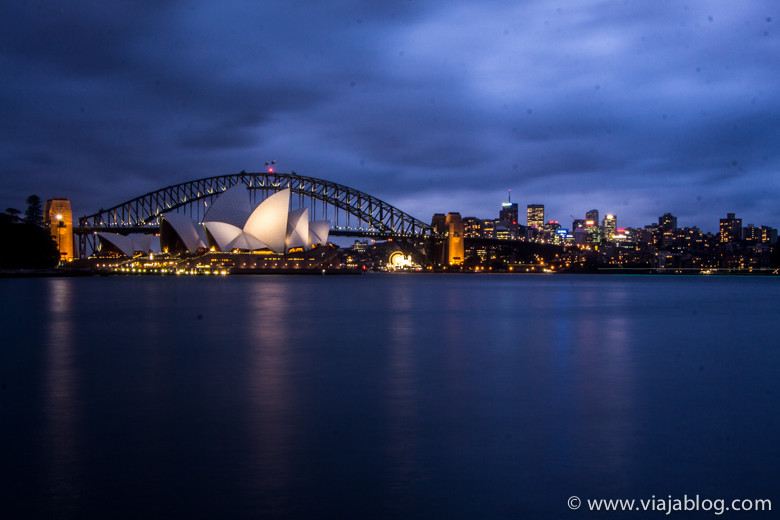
670 504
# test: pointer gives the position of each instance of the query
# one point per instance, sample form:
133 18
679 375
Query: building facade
58 216
535 215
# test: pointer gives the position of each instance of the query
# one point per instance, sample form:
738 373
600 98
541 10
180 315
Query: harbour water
385 396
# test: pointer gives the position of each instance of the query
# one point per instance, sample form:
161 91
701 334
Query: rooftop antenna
510 194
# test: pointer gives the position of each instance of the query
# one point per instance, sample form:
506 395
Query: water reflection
271 390
403 391
390 397
601 377
62 423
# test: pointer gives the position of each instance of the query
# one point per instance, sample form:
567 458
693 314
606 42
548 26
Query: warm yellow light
59 217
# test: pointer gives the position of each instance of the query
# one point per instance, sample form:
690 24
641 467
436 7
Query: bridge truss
351 212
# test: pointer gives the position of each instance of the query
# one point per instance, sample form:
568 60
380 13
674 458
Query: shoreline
87 272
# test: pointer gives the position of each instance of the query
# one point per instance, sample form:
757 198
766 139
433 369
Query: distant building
448 250
751 233
580 236
667 222
472 227
455 246
768 235
535 215
762 235
58 216
730 228
438 223
438 249
489 228
552 226
591 231
594 231
508 216
610 227
502 232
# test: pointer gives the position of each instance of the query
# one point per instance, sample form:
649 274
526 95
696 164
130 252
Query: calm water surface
385 396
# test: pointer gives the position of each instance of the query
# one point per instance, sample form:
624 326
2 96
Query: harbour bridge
351 212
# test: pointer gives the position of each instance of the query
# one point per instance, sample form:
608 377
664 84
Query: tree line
24 242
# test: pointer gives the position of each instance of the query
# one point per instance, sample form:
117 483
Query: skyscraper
593 227
535 215
610 226
508 215
58 217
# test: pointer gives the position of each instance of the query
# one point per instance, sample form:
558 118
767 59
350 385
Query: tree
26 246
33 214
14 213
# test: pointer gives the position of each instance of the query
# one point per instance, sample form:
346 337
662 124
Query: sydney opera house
276 237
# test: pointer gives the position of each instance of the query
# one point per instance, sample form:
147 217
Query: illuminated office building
535 215
508 216
472 227
609 224
489 228
58 217
502 232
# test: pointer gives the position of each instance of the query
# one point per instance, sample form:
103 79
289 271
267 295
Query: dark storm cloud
637 108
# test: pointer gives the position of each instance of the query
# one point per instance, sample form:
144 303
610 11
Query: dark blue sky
632 107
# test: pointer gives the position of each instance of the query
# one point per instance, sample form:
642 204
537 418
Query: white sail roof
268 222
231 224
246 241
231 207
187 230
142 242
122 242
222 233
129 244
298 229
318 231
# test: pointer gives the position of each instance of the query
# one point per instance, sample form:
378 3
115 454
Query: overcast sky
631 107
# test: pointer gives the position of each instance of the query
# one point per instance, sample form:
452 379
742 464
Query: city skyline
634 109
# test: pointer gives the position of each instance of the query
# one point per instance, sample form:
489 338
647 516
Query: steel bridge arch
144 212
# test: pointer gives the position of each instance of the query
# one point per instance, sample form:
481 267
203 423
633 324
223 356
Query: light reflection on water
384 396
61 434
402 396
272 391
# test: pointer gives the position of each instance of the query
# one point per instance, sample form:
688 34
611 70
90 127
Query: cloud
632 107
